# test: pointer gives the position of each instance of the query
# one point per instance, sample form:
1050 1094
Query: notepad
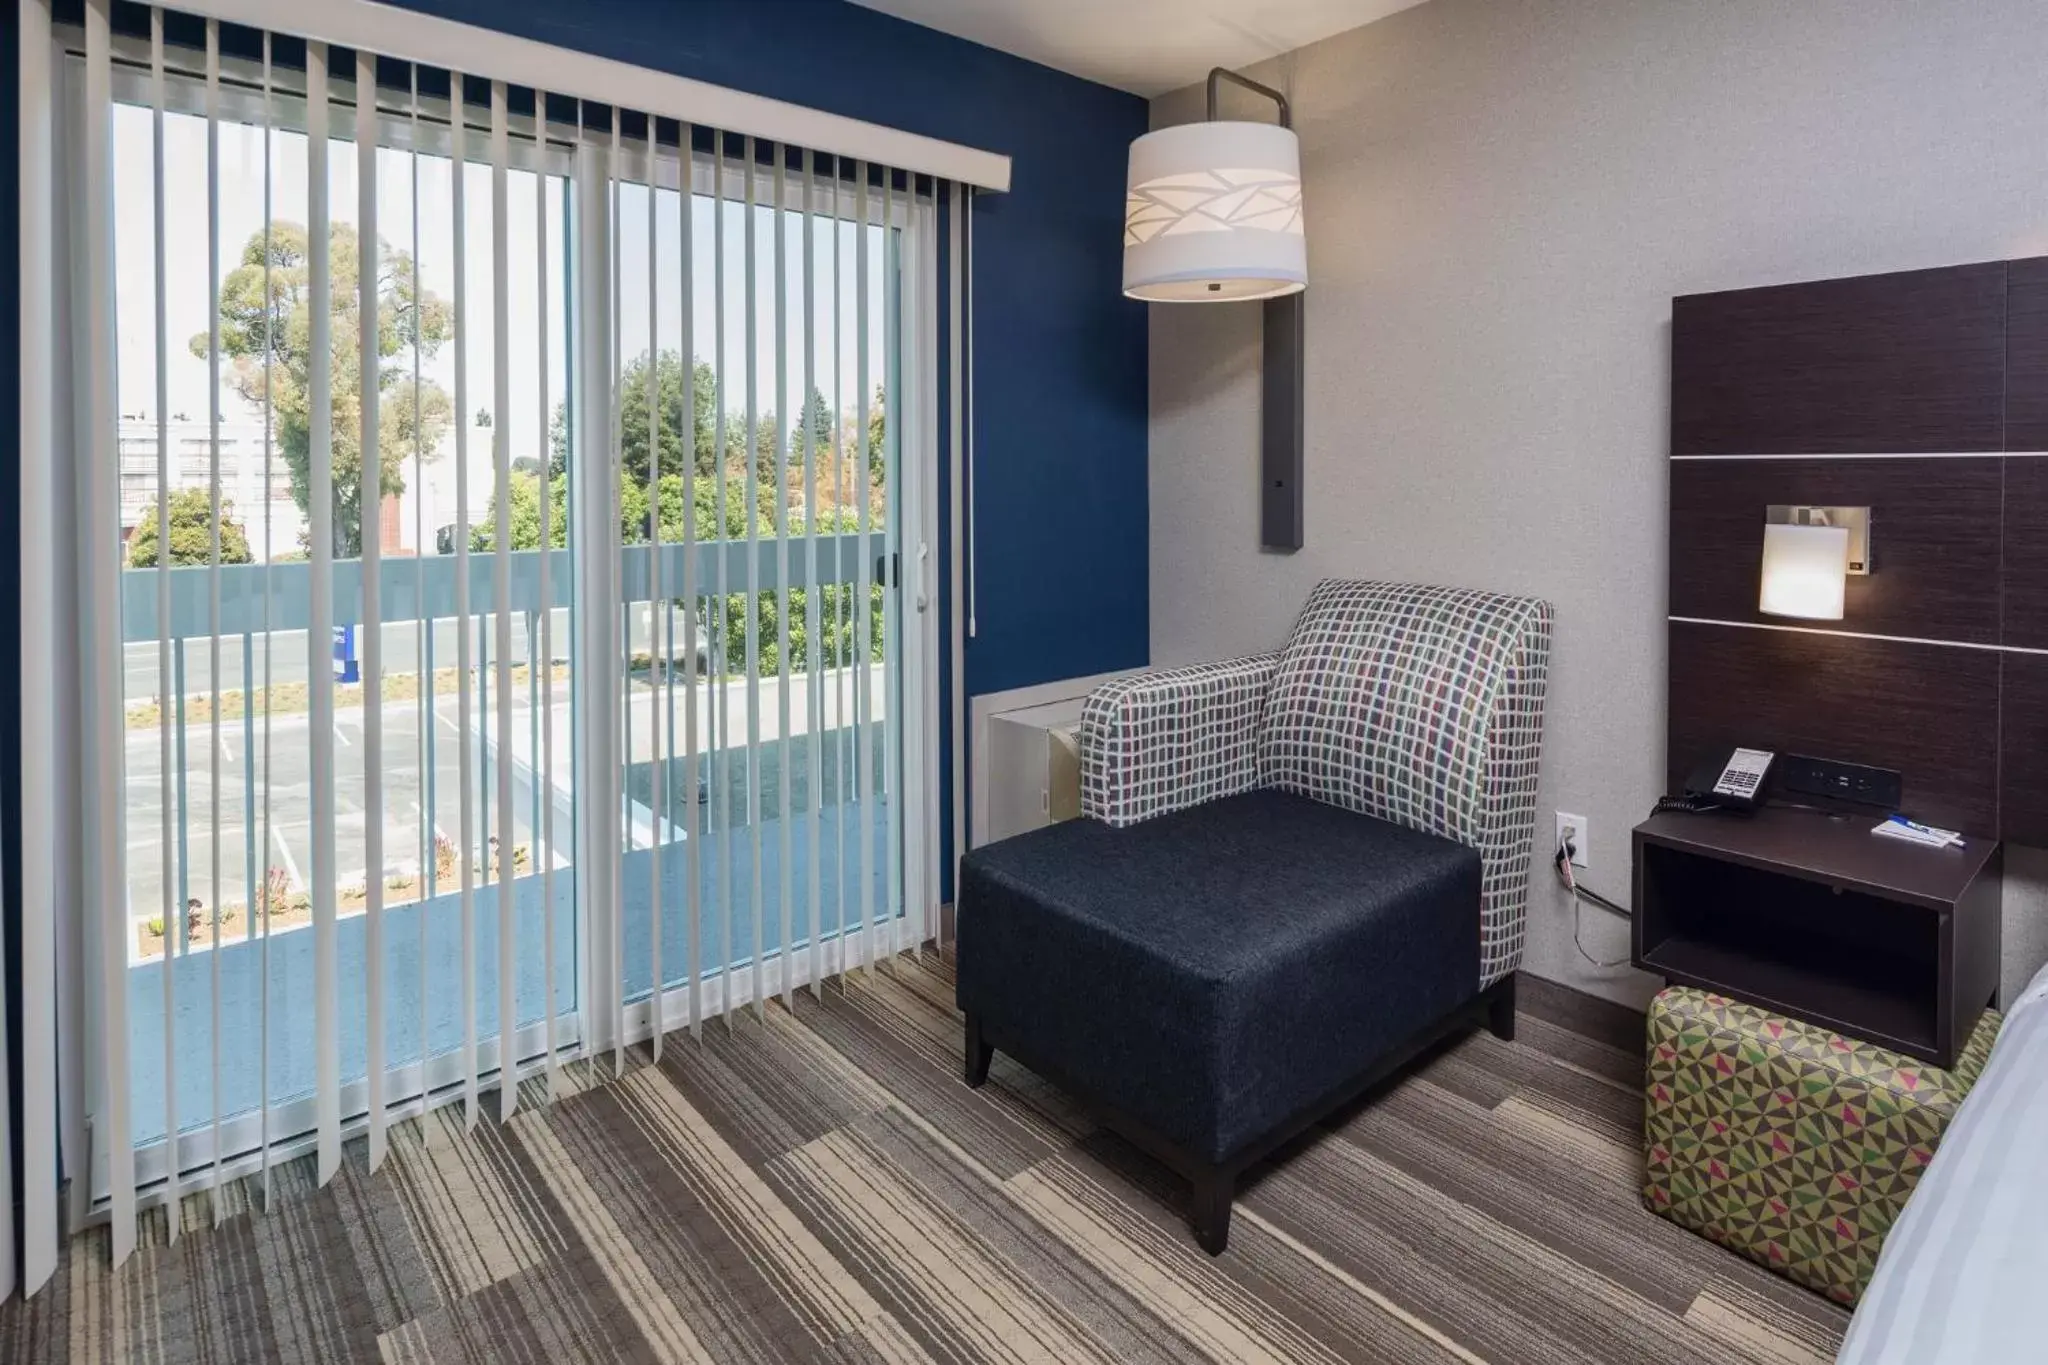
1912 832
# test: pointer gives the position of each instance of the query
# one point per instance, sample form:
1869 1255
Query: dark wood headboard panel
1923 396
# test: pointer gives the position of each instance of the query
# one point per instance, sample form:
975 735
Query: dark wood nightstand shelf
1817 918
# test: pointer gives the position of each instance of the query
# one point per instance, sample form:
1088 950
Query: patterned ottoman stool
1788 1143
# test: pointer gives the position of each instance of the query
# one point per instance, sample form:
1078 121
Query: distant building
426 512
244 482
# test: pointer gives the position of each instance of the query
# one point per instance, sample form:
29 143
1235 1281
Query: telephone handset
1737 779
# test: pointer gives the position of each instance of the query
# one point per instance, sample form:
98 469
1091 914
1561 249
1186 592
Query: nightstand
1814 917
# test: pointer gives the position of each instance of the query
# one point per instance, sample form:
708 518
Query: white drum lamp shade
1806 571
1213 214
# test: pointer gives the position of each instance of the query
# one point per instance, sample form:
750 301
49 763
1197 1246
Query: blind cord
967 309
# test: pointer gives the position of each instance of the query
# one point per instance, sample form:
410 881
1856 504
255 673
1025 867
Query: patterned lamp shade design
1213 214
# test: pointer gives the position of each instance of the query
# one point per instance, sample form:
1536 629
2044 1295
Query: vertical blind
498 529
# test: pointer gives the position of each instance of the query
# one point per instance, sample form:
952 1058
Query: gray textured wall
1502 197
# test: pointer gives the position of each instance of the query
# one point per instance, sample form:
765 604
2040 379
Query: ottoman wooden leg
979 1054
1210 1215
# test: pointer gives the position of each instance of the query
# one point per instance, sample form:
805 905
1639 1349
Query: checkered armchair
1421 706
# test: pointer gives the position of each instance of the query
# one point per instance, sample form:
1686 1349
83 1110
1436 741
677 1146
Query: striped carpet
821 1187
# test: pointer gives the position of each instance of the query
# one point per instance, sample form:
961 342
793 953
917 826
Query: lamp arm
1220 74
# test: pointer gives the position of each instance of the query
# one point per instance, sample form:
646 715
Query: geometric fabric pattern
1165 740
1786 1142
1417 705
1423 707
1212 201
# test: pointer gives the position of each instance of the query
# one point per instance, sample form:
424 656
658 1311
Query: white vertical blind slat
620 752
37 1111
844 745
267 908
592 539
423 672
546 841
957 528
721 615
465 727
501 591
893 408
813 631
31 86
213 893
583 296
172 911
658 659
693 847
370 534
26 78
784 674
863 612
757 901
320 616
106 878
926 358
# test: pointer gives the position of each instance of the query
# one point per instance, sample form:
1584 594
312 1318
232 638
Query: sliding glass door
760 592
446 699
521 631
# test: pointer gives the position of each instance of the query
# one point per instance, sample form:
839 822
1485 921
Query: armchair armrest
1172 738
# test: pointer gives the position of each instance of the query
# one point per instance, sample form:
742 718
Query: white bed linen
1963 1278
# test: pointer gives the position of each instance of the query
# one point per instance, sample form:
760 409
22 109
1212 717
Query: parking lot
416 811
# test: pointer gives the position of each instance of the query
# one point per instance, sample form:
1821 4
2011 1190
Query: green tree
767 444
633 445
191 532
725 628
816 419
268 338
525 508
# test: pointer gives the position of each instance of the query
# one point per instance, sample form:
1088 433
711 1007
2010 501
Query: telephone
1737 779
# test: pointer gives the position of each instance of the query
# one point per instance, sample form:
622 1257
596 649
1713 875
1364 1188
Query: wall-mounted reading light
1809 553
1212 214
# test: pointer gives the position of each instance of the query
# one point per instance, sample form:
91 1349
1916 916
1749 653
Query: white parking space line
439 833
227 755
338 734
291 866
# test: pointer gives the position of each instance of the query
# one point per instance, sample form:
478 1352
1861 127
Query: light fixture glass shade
1806 571
1213 214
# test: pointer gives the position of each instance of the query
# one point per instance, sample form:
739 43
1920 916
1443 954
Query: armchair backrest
1422 706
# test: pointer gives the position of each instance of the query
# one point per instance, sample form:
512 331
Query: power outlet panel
1575 827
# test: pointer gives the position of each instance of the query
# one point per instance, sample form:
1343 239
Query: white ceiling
1145 46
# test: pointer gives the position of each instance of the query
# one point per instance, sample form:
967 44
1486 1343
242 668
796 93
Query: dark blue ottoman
1213 981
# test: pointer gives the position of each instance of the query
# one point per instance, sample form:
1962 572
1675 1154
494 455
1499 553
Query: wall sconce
1809 553
1212 214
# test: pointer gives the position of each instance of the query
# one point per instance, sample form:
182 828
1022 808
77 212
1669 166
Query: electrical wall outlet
1573 827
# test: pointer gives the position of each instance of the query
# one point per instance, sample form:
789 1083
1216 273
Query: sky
533 395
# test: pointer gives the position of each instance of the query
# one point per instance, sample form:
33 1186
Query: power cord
1562 862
